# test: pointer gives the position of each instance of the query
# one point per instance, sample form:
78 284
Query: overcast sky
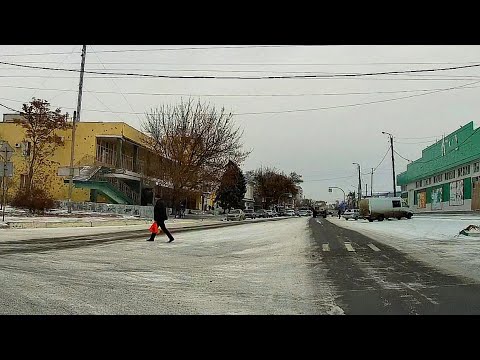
315 126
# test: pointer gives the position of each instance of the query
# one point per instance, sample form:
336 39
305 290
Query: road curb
69 224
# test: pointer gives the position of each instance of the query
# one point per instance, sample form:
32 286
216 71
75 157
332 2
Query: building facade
446 177
112 164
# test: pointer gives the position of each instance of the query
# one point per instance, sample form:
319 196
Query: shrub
36 201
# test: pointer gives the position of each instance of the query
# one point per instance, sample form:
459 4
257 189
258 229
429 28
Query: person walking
160 215
339 212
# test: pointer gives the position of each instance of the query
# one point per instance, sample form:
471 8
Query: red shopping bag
154 228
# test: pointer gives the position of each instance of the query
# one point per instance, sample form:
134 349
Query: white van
384 208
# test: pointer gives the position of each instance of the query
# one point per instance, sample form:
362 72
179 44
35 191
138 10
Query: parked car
261 213
269 213
384 208
274 213
351 214
250 214
289 213
236 214
302 212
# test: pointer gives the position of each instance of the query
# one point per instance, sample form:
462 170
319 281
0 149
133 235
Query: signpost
6 152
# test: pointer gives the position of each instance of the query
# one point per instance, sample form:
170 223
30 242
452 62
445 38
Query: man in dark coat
160 215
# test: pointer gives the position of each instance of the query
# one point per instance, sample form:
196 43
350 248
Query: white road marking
373 247
325 247
318 221
349 246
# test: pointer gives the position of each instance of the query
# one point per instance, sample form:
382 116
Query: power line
357 104
401 156
417 138
166 49
384 156
113 81
9 108
45 81
244 95
304 110
336 78
343 177
415 143
244 64
243 78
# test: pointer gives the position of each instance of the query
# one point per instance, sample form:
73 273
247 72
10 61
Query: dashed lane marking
325 247
373 247
349 246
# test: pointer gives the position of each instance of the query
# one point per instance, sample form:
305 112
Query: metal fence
143 212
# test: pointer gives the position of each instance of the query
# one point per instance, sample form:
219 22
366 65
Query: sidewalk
173 225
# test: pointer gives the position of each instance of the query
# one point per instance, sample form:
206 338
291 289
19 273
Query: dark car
261 213
250 214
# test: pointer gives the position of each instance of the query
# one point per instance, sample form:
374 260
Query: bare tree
195 141
272 186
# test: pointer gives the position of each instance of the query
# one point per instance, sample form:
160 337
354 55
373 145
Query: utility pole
371 184
359 194
4 180
393 163
366 190
76 117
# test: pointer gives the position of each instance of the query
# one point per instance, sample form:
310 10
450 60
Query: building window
438 178
476 167
418 184
450 175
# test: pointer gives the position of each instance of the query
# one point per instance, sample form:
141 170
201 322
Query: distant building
446 177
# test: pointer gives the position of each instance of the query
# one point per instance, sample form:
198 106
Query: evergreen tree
232 188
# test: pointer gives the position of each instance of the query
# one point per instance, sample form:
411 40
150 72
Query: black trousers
162 226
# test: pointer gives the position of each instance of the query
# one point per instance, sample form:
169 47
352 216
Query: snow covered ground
19 215
434 240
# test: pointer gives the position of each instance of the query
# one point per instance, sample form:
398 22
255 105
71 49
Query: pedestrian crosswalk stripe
349 247
373 247
325 247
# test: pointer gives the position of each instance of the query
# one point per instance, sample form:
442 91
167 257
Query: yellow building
111 160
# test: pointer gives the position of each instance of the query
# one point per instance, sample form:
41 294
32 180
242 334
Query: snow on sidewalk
42 233
435 241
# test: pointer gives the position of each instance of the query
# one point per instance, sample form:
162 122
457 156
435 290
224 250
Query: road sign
9 169
6 151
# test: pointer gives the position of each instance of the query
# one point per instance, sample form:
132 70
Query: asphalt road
290 266
372 278
254 268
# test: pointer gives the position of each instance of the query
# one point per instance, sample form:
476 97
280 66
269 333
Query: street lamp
393 162
359 183
336 187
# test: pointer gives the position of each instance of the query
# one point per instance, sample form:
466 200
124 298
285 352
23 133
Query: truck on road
384 208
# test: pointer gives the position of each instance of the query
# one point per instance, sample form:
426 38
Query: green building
446 177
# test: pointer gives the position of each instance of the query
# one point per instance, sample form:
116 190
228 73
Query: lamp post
336 187
359 194
393 162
